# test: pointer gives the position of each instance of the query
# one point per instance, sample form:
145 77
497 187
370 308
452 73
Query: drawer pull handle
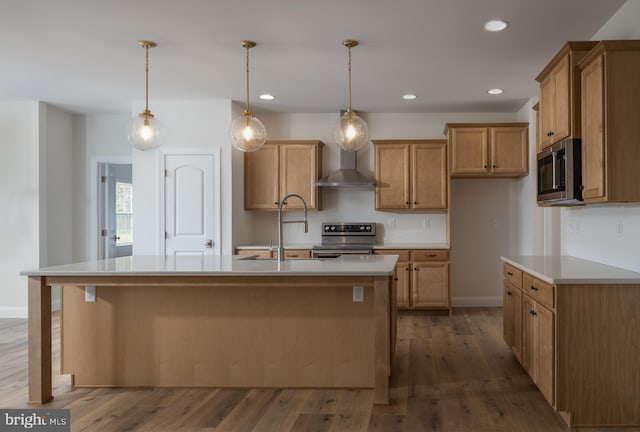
534 288
430 255
509 293
532 312
510 274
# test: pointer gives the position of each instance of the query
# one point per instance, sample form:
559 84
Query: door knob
208 244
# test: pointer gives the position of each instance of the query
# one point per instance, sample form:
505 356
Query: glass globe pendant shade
145 132
247 133
351 133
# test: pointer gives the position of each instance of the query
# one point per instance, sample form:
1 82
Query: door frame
95 206
215 152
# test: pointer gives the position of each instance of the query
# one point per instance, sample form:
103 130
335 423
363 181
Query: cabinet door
509 150
429 175
261 178
402 283
528 336
298 174
545 352
469 148
547 111
392 176
512 318
430 285
562 112
593 148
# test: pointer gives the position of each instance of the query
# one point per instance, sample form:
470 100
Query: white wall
607 233
96 138
19 195
188 125
56 190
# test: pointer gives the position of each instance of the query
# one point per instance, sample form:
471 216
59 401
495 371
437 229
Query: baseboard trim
476 301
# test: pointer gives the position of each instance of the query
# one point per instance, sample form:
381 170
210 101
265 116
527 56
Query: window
124 213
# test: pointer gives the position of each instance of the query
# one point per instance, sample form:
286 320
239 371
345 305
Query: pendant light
351 133
146 131
247 132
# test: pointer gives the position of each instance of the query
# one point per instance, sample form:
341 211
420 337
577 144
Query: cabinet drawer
297 253
539 290
429 255
403 254
513 275
260 253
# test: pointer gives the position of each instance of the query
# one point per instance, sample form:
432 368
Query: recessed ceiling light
496 25
495 91
409 96
267 97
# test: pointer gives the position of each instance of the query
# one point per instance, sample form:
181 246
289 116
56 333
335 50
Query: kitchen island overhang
217 321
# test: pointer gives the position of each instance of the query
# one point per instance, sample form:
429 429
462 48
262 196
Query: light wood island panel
219 331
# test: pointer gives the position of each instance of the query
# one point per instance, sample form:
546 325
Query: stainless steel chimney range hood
348 175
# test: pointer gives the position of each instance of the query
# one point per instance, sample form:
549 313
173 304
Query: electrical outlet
358 294
90 294
426 223
619 229
392 223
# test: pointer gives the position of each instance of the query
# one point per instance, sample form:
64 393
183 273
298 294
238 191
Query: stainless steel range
341 238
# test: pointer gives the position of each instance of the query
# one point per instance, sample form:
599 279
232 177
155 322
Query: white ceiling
82 54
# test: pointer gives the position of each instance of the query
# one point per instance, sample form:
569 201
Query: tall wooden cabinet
488 149
560 94
610 118
411 174
280 168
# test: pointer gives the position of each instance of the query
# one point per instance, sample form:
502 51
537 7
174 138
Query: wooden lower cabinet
422 278
512 318
430 285
529 326
579 344
538 346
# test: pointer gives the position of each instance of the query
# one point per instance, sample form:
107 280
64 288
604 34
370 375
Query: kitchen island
216 321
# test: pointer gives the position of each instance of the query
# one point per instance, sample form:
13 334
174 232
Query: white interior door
190 211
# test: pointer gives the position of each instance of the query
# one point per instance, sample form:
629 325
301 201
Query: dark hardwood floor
451 374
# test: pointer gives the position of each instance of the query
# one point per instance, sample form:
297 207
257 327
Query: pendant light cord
349 109
247 81
146 71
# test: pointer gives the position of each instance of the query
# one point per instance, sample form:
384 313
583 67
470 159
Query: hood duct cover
347 176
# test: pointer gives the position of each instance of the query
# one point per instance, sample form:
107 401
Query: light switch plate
90 293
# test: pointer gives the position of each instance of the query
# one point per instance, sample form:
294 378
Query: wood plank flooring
450 374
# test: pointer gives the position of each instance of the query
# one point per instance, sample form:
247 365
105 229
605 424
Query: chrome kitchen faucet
281 222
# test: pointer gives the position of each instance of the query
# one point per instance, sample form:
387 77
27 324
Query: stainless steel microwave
560 173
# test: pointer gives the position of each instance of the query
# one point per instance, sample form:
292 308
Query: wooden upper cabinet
610 93
262 178
488 149
280 168
560 94
411 174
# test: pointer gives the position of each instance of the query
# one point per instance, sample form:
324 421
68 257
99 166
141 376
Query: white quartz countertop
348 265
571 270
